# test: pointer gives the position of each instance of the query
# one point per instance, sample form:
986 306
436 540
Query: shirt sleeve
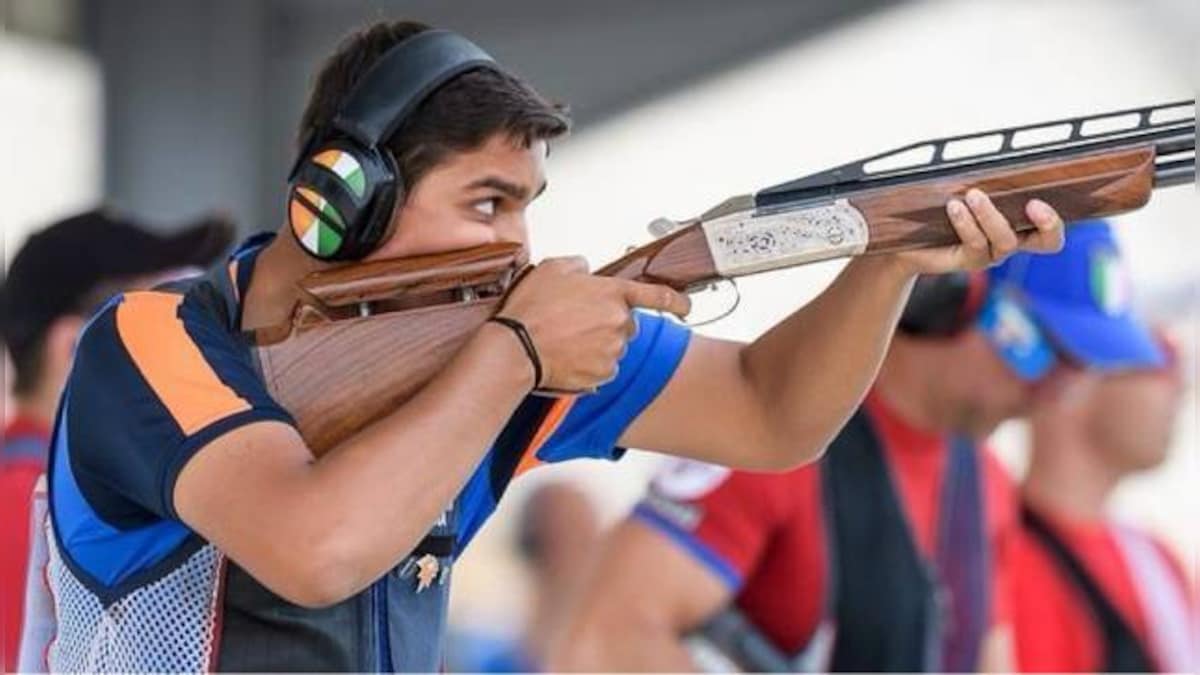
594 423
722 518
156 377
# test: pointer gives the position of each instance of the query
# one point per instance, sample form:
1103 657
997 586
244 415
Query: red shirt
764 534
19 472
917 458
1055 628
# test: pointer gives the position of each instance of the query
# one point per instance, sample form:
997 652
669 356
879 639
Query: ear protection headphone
943 305
344 185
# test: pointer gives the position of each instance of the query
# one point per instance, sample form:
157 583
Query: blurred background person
894 552
1094 594
558 532
57 279
556 535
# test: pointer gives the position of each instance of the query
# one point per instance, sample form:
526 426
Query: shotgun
365 337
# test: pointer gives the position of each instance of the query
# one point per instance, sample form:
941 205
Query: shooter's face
470 199
1131 417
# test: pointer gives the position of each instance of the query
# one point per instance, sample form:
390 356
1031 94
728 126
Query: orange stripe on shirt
153 334
558 412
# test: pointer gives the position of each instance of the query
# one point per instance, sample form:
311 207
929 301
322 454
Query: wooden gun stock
365 338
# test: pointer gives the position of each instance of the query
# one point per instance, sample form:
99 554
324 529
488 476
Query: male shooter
183 495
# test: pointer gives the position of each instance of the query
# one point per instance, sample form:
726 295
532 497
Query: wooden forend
1091 186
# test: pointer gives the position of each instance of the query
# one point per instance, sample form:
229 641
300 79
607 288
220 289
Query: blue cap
1082 298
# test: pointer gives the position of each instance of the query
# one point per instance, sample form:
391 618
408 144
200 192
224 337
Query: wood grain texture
340 377
678 260
1097 185
379 279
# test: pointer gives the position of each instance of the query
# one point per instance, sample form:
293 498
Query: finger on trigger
656 297
681 302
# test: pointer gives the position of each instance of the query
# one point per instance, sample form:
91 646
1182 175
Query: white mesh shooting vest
169 625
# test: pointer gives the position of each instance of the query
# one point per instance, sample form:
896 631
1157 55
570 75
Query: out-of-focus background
167 108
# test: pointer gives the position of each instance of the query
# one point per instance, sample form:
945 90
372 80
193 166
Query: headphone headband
402 79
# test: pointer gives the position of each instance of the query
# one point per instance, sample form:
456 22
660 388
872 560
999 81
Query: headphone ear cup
340 201
386 190
318 226
944 305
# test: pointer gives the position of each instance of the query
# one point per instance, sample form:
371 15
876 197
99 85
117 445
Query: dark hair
29 356
27 367
458 117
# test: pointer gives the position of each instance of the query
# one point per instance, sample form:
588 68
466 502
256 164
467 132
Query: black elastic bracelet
522 334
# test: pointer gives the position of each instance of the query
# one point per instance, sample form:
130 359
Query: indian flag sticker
1109 280
322 236
346 167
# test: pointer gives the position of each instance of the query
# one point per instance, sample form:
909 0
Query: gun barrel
1183 143
931 160
1175 172
1176 159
